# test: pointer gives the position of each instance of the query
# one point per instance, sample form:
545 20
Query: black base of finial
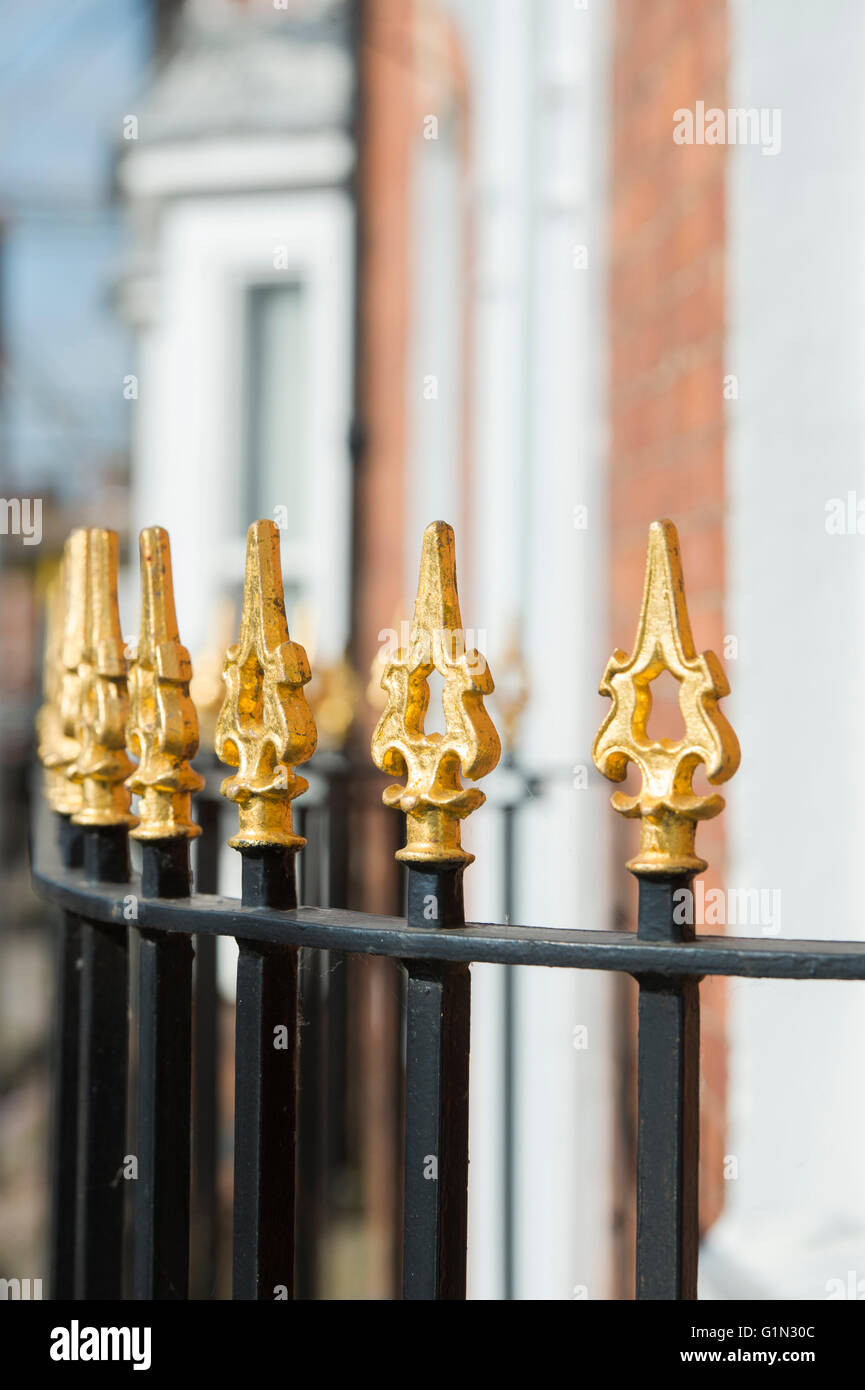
165 869
268 877
70 842
435 896
106 853
660 913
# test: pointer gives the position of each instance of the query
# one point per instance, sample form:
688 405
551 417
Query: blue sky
69 71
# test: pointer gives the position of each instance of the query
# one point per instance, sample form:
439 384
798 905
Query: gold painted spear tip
265 727
94 655
158 614
57 750
433 798
667 806
162 727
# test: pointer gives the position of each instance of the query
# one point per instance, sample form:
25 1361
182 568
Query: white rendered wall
795 1216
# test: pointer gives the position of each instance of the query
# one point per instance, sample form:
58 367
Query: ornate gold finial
71 699
667 805
265 727
162 728
96 642
56 749
433 799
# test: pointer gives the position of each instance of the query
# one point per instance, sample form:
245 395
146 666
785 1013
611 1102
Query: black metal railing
85 875
138 1102
341 799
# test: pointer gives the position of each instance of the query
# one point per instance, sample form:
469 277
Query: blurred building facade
388 262
532 320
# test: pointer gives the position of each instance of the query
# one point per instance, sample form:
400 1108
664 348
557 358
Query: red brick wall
387 83
666 300
388 98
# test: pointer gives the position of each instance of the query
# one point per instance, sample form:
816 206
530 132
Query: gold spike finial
57 750
667 805
94 648
71 698
265 727
162 728
433 799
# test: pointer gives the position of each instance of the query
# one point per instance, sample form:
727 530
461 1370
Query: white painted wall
795 1215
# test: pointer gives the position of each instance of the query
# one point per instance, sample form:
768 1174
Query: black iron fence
92 1079
149 928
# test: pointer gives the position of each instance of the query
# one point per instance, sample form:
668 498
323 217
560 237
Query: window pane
276 405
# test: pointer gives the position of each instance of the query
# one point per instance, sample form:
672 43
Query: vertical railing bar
64 1139
65 1060
400 1047
205 1068
310 1178
102 1081
265 729
435 803
337 993
669 810
265 1106
509 1004
70 842
161 1268
335 1079
132 1095
311 1173
668 1067
435 1220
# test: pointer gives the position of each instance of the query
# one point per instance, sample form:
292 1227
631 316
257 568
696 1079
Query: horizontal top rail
331 929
